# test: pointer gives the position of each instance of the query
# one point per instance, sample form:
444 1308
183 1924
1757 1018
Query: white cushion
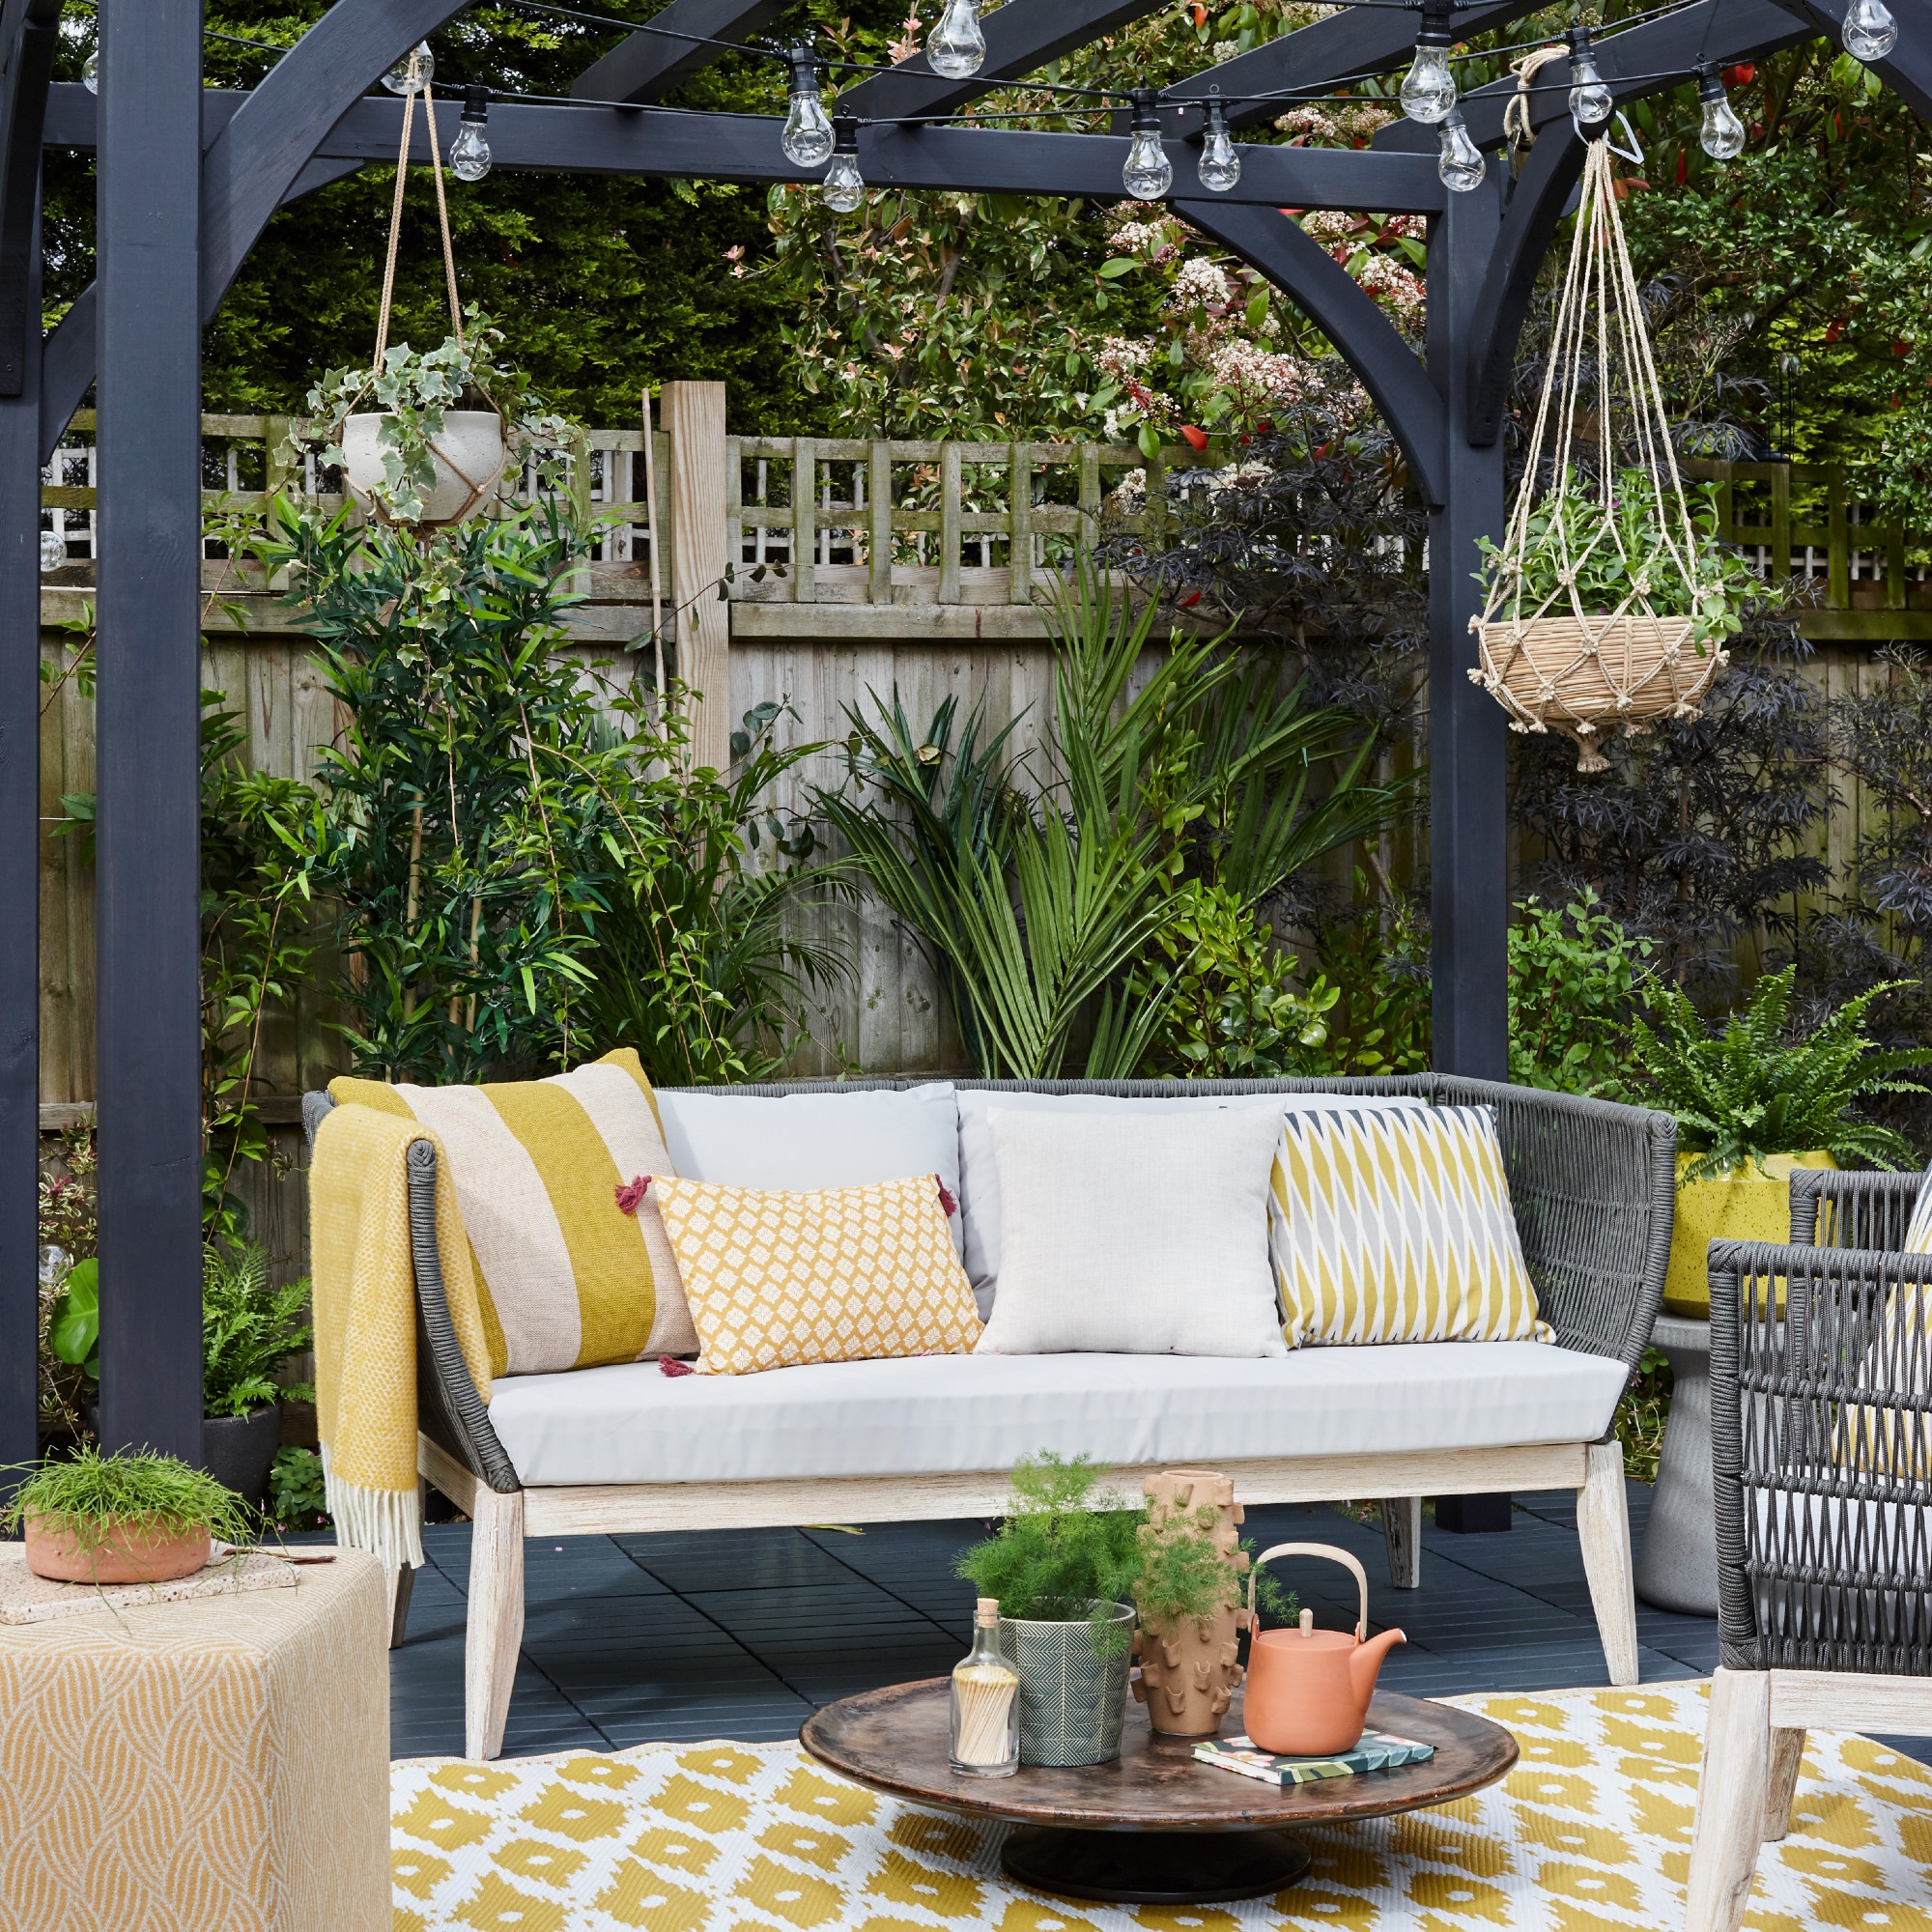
936 1415
1135 1233
979 1180
802 1142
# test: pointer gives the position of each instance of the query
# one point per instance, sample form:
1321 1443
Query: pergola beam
649 64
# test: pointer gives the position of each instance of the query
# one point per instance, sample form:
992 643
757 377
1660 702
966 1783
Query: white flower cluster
1348 121
1398 289
1226 50
1130 493
1330 226
1200 283
1121 357
1256 372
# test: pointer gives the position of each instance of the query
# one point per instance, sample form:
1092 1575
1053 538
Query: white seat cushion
935 1414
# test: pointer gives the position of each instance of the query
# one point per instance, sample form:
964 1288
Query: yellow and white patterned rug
1591 1833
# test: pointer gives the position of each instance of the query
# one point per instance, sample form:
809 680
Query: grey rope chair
1821 1435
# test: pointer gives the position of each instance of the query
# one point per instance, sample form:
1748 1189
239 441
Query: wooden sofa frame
1593 1187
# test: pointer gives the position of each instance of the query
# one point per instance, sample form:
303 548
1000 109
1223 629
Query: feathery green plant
1754 1090
248 1330
1184 1576
89 1496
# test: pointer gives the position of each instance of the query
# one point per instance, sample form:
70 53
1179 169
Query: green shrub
248 1330
1574 976
298 1494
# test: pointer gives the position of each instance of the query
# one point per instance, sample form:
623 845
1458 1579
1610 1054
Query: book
1376 1751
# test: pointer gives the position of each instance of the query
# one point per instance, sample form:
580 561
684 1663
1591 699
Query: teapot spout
1366 1660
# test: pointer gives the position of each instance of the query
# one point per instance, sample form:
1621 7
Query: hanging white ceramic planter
469 455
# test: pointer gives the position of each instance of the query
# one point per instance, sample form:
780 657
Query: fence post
693 412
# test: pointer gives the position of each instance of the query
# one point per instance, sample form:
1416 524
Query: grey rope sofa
1592 1186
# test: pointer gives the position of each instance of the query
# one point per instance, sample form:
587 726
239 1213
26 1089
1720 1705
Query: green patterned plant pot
1073 1691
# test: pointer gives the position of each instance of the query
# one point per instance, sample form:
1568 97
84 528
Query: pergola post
147 948
1468 830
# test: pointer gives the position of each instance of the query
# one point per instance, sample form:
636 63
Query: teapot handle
1334 1555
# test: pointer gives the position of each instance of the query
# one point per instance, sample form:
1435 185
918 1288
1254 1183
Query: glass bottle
986 1732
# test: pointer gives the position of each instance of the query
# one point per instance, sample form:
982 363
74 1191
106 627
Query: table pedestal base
1154 1867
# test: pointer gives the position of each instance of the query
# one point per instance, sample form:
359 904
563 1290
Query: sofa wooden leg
1732 1797
495 1631
1401 1535
1787 1754
1603 1525
402 1583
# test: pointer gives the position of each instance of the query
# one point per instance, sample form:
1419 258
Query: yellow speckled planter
1750 1203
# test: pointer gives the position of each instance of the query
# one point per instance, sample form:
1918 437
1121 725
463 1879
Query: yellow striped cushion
568 1278
777 1280
1395 1226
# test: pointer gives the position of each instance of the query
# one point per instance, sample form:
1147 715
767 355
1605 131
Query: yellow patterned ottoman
212 1766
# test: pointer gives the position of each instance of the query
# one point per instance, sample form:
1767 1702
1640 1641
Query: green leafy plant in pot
127 1519
1755 1101
1062 1565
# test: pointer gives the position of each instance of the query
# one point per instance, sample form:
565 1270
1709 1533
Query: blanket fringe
385 1522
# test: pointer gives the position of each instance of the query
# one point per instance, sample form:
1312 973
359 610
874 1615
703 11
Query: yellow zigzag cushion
848 1274
1395 1226
567 1278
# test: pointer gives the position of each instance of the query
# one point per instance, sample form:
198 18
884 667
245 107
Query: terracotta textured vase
1188 1675
142 1551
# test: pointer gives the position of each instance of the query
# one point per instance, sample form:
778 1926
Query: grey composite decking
740 1634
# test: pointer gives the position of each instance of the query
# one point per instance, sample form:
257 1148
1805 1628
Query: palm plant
1038 883
1754 1090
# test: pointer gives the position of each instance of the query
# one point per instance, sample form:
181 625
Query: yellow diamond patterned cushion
568 1279
1396 1226
777 1280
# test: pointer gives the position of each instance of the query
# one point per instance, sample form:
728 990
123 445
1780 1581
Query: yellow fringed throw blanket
365 1323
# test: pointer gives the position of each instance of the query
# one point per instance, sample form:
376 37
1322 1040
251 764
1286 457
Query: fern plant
1754 1089
249 1331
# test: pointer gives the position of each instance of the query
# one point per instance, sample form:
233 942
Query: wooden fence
851 568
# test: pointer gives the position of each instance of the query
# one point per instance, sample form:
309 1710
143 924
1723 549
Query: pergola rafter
189 180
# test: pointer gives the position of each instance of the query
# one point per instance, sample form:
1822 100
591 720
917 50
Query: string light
1870 31
1722 134
1148 174
469 151
54 550
1591 102
1460 164
956 47
90 72
808 138
413 72
1220 161
1428 89
844 186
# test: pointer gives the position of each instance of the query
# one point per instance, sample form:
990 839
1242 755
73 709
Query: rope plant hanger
1608 601
417 459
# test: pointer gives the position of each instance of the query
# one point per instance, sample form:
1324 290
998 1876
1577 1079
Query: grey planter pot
1073 1698
1677 1567
239 1450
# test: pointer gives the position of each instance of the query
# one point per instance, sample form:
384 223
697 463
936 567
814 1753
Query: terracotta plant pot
138 1551
1748 1205
469 454
1189 1674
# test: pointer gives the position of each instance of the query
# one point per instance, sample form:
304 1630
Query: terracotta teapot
1308 1691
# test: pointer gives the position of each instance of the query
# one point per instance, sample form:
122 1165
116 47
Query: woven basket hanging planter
1604 608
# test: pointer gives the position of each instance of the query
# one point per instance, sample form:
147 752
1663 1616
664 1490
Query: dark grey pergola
187 179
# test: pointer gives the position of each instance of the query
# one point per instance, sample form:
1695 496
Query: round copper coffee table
1154 1826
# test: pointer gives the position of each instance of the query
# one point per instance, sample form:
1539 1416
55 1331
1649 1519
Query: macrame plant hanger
1552 664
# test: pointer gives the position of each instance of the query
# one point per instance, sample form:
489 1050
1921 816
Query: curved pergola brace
1331 299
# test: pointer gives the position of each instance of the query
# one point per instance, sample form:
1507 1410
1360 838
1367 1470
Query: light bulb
1722 135
90 72
844 186
54 550
1460 164
1591 102
1220 161
808 138
1870 31
1148 174
956 47
413 72
469 151
1428 89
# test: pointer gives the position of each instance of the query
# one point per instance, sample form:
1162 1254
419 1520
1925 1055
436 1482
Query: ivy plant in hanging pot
1609 601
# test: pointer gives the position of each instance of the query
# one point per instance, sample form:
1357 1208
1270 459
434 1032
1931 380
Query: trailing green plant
89 1497
249 1331
1574 976
1066 1543
1755 1088
1038 885
298 1490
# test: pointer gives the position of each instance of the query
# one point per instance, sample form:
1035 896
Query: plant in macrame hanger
419 457
1608 601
